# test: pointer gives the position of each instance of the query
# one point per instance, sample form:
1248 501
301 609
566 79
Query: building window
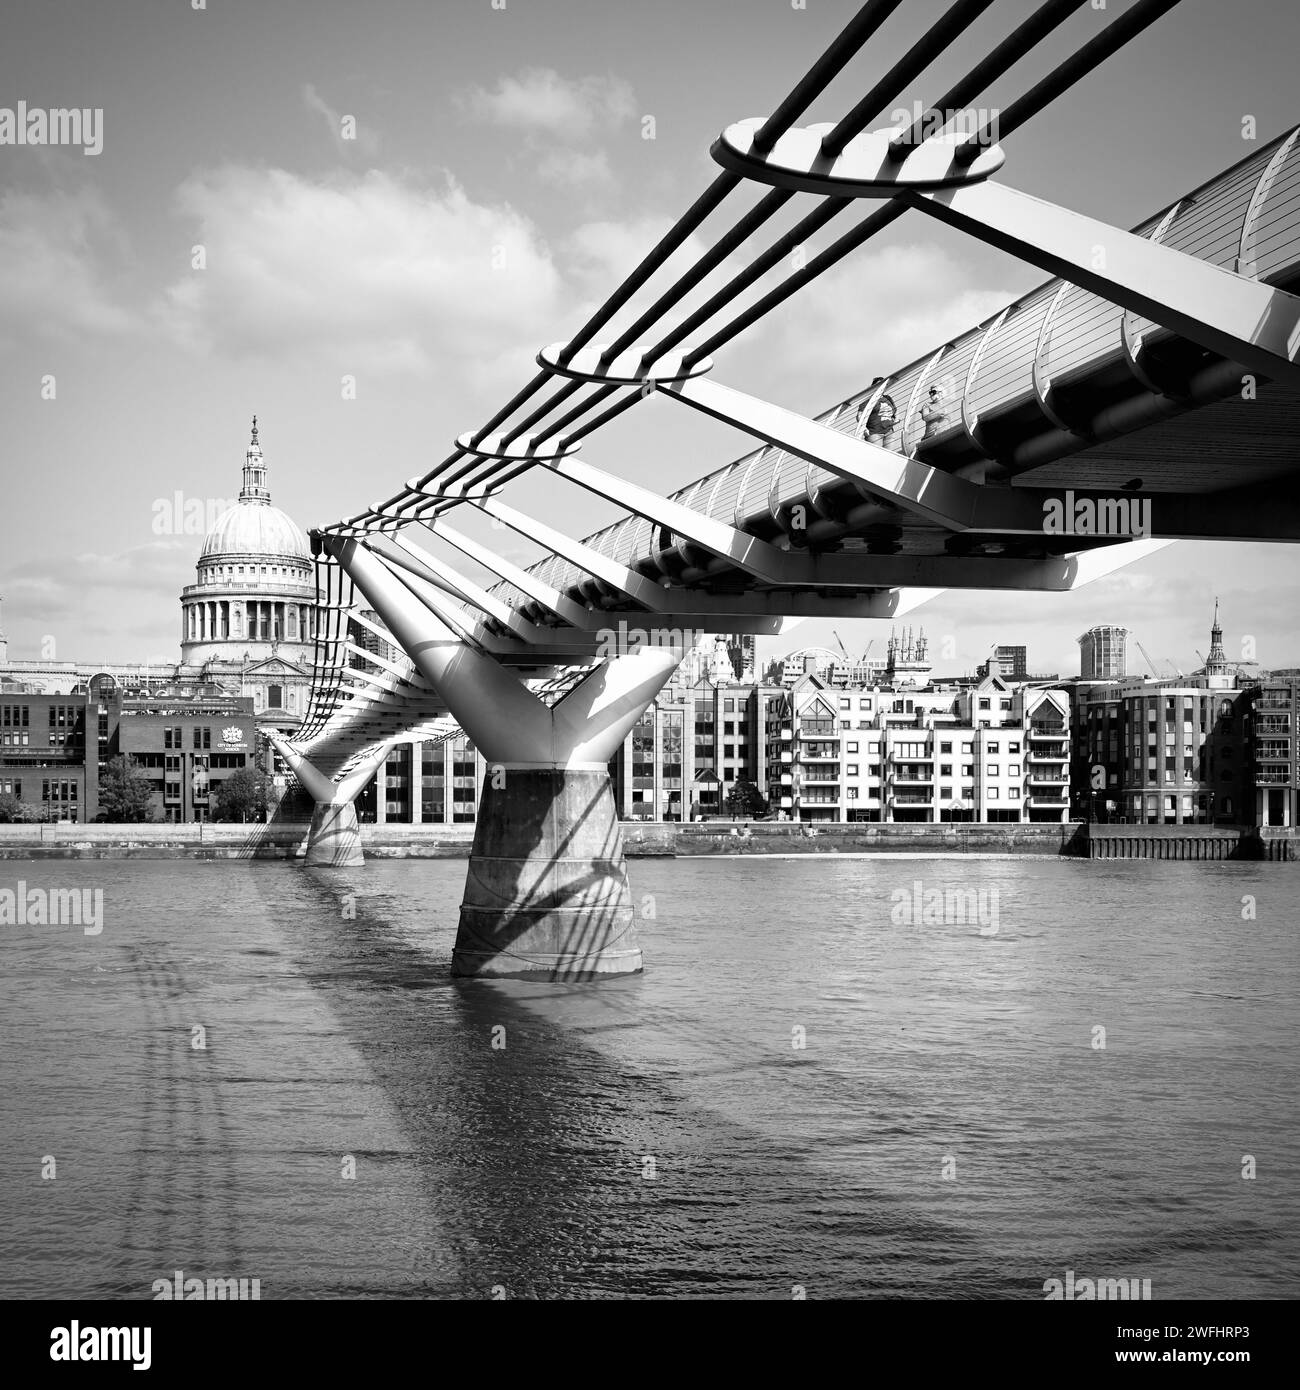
991 747
202 737
991 794
945 769
984 704
1013 769
1013 748
945 748
850 747
968 769
852 770
968 748
991 770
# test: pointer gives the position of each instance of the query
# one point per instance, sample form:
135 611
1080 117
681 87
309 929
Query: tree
13 811
244 795
125 792
745 799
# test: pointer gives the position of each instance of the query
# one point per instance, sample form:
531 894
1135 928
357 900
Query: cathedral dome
255 596
255 528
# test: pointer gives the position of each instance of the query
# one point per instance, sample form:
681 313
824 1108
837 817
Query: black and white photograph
650 652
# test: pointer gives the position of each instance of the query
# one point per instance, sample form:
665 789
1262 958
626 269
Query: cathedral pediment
276 666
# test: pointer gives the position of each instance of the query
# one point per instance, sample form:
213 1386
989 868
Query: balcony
911 798
1047 802
1268 702
822 776
1058 731
1273 777
1272 724
1040 776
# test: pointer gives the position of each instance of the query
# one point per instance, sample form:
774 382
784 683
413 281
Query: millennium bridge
1149 392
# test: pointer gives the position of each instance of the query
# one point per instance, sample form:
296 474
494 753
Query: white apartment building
994 752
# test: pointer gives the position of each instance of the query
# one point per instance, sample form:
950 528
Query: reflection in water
775 1102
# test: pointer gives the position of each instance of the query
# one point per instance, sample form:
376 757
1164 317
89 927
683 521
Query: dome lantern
254 488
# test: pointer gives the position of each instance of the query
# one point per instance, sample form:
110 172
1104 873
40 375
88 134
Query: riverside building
1180 750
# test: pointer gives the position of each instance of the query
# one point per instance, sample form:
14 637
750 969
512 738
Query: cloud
574 168
372 270
540 101
50 588
875 313
360 138
56 255
599 255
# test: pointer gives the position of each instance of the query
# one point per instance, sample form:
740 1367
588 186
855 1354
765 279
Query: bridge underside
1150 394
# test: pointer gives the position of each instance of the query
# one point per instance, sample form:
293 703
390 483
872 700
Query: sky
418 196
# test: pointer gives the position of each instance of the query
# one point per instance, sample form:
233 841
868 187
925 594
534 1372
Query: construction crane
1156 674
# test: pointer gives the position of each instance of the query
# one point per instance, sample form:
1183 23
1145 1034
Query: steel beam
1239 318
959 504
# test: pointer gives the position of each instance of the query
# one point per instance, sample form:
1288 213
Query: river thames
264 1071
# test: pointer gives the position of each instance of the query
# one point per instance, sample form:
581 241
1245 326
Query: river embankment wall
288 840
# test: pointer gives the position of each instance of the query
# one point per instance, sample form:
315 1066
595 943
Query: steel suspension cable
1112 38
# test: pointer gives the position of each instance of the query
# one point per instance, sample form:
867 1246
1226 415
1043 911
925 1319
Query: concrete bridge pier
547 895
334 840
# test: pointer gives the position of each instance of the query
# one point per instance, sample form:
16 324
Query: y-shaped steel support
334 839
547 895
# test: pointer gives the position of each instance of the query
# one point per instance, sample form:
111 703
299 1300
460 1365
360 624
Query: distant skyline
420 197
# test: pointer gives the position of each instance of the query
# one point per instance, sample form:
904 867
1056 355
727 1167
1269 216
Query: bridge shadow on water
556 1171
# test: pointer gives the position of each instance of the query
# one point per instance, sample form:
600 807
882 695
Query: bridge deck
1062 385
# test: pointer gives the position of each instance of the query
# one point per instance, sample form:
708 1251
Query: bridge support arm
334 840
546 895
1244 320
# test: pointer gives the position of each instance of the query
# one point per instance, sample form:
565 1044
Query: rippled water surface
659 1135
